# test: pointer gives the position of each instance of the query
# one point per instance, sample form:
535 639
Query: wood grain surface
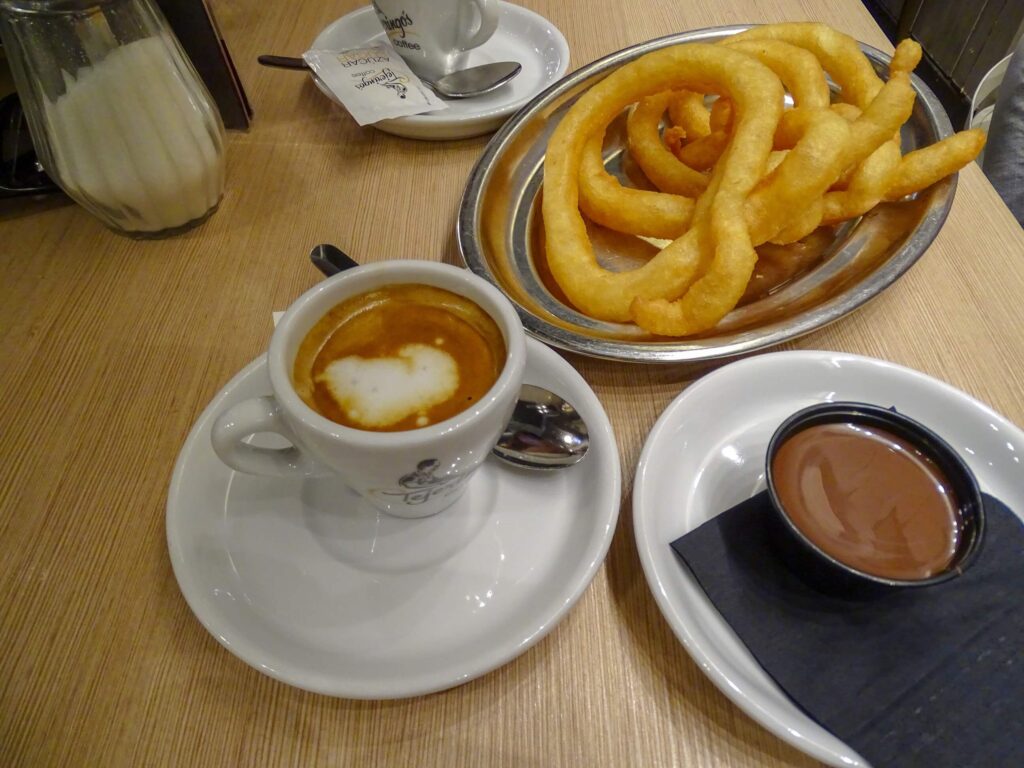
110 348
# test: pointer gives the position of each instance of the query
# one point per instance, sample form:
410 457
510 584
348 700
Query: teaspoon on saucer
545 431
463 84
475 81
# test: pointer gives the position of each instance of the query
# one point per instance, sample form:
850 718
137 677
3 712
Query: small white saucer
522 36
706 453
306 583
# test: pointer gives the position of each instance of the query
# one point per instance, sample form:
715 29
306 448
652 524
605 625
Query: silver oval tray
500 234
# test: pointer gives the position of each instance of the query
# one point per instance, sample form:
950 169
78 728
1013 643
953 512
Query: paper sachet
373 83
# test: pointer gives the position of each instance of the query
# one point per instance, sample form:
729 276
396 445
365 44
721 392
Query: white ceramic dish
304 582
522 36
706 453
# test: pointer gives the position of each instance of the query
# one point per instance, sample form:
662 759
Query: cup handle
250 417
488 10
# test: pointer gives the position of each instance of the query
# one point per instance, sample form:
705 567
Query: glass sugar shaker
118 116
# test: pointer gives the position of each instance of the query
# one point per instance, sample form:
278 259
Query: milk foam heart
378 392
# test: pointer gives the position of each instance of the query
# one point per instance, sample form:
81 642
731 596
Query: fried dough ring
879 122
757 94
848 111
792 126
803 176
798 69
906 57
805 221
721 114
839 54
800 73
674 138
871 155
923 167
775 158
703 153
679 174
686 110
890 108
881 119
633 211
807 171
866 188
643 136
605 201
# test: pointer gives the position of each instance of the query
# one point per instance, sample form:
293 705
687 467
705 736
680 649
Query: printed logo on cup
401 31
434 35
422 485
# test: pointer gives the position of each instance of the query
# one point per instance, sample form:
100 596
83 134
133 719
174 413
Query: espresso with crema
399 357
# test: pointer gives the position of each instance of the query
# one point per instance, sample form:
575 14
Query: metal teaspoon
545 432
463 84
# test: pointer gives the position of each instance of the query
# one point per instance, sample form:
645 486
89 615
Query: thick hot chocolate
397 358
868 498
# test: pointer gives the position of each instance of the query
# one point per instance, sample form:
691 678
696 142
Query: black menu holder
196 28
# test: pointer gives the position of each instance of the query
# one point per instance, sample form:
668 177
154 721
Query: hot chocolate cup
828 572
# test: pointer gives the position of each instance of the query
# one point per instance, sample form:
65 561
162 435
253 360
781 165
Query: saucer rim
442 126
601 432
720 666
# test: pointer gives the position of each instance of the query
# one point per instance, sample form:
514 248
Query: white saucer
707 452
309 585
522 36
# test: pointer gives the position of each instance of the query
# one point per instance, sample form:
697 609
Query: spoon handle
330 259
282 62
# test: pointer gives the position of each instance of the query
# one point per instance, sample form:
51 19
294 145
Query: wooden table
110 348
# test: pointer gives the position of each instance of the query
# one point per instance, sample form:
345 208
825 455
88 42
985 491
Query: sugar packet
373 83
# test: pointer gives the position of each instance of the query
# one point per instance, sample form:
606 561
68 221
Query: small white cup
414 473
433 35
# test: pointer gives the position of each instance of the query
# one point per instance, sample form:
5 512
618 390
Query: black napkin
918 677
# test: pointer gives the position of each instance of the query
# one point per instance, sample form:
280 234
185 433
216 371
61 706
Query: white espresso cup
412 473
433 35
